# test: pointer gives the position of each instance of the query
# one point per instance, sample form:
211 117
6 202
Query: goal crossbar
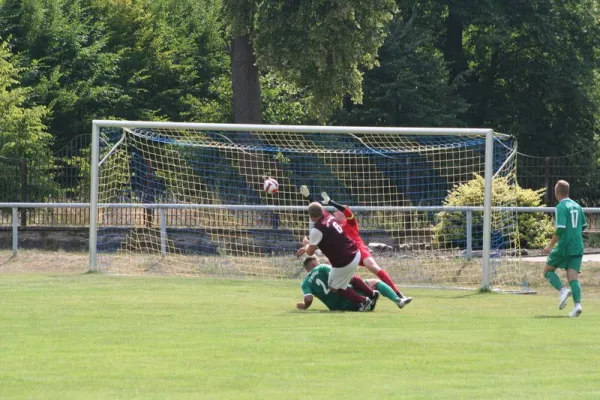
295 128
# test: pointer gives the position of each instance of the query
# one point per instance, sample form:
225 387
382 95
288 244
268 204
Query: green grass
97 337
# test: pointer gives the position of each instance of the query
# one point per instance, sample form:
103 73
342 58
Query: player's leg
369 263
382 288
552 264
388 292
360 285
362 288
573 270
339 279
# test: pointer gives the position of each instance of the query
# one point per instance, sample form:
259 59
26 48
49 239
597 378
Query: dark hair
308 259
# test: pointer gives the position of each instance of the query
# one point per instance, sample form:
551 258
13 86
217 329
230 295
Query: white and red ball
271 186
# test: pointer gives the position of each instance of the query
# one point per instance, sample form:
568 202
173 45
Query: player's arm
560 220
308 299
306 194
314 239
551 245
346 210
308 296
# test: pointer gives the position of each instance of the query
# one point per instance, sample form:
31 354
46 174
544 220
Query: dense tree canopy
411 87
319 45
530 69
117 58
532 75
22 130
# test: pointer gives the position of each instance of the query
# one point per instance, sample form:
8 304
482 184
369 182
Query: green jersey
570 223
316 284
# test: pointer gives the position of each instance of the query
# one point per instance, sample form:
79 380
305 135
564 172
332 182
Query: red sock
384 276
351 295
359 284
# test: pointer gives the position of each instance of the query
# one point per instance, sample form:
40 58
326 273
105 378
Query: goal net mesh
191 202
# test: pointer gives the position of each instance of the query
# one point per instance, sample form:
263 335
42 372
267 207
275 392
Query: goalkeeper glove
304 191
325 197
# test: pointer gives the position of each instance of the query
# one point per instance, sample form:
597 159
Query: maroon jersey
335 244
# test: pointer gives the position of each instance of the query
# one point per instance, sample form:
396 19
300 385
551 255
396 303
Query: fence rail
164 220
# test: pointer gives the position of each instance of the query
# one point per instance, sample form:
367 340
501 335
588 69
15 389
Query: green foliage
23 135
321 45
239 16
410 86
22 129
156 60
283 103
530 69
534 228
592 239
531 72
82 165
281 158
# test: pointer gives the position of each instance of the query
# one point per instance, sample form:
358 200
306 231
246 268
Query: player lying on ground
341 251
314 285
347 220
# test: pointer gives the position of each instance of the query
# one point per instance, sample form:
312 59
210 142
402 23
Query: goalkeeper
347 220
315 285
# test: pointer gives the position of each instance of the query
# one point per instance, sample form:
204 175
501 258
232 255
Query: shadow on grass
305 312
92 272
457 296
551 316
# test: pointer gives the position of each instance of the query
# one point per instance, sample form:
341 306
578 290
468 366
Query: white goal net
188 199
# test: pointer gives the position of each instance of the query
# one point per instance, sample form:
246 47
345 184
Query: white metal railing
163 216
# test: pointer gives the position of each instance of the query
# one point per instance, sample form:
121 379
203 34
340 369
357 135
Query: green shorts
564 262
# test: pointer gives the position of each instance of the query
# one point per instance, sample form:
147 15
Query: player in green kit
315 284
566 248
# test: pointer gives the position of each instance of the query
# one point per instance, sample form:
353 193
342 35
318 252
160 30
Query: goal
184 198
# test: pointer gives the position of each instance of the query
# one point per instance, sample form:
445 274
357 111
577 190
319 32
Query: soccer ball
271 186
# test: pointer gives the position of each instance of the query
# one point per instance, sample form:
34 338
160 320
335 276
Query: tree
126 59
319 45
173 61
22 130
23 135
531 71
69 69
412 86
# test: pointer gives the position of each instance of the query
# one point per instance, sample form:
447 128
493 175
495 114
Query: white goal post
168 166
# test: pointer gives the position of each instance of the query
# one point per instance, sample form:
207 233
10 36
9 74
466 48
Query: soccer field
90 336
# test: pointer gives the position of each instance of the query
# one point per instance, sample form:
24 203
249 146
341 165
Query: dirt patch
36 261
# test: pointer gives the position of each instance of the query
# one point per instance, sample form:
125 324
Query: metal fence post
23 191
469 235
162 212
547 181
15 231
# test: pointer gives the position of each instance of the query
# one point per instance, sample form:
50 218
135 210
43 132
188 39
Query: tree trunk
453 48
245 82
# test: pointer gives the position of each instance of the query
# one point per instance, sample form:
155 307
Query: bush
534 228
